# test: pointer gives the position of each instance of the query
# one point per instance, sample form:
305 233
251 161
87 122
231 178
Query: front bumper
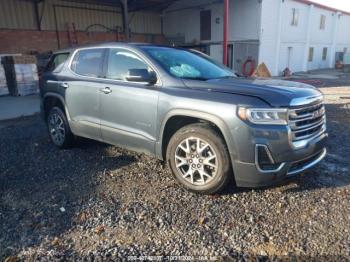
250 175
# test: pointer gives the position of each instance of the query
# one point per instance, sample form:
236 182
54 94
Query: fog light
264 160
264 155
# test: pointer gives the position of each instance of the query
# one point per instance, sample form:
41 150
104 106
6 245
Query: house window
295 17
323 22
324 54
311 54
290 51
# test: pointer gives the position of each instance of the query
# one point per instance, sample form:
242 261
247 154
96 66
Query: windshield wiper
223 77
196 78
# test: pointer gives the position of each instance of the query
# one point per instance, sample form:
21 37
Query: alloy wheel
196 160
56 129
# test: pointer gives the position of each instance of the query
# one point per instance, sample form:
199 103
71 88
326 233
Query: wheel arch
52 99
185 117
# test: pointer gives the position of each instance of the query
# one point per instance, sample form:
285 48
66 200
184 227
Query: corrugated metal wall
145 22
19 14
82 18
16 14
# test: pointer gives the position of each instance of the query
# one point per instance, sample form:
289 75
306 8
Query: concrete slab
320 74
14 107
322 78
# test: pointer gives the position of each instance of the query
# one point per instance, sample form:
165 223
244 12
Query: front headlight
264 116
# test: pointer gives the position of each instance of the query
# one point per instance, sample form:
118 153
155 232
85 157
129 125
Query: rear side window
56 62
88 62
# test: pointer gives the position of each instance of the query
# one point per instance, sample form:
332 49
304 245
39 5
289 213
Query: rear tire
59 130
199 159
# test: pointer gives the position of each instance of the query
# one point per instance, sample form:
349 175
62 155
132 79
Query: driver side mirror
142 76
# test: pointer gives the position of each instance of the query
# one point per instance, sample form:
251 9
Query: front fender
216 120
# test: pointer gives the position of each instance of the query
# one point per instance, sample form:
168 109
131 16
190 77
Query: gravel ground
98 202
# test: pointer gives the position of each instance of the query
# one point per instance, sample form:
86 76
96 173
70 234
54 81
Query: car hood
277 93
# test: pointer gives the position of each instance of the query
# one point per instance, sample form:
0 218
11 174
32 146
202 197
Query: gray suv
208 124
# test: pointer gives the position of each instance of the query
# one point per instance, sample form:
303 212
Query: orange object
262 71
251 64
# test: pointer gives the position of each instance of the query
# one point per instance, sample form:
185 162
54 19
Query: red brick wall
27 41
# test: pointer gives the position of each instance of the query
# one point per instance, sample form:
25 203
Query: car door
82 92
128 109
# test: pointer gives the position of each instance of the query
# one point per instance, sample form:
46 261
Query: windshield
187 65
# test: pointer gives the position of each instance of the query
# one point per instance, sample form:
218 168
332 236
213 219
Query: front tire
199 159
59 130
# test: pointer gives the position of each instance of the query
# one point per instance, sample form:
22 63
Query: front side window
88 62
120 61
185 64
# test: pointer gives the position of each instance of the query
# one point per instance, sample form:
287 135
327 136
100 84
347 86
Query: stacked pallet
21 75
3 85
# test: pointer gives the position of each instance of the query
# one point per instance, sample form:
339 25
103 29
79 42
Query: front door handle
106 90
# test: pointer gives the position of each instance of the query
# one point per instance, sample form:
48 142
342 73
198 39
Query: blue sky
340 4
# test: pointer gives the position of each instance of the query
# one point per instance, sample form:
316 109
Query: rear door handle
106 90
64 85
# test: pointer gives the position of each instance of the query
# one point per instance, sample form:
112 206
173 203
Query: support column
36 15
225 42
126 20
308 37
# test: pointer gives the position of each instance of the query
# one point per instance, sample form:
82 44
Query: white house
297 34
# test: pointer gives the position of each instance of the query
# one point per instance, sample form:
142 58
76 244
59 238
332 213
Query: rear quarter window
56 62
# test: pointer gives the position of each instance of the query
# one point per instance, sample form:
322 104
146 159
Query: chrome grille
307 121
